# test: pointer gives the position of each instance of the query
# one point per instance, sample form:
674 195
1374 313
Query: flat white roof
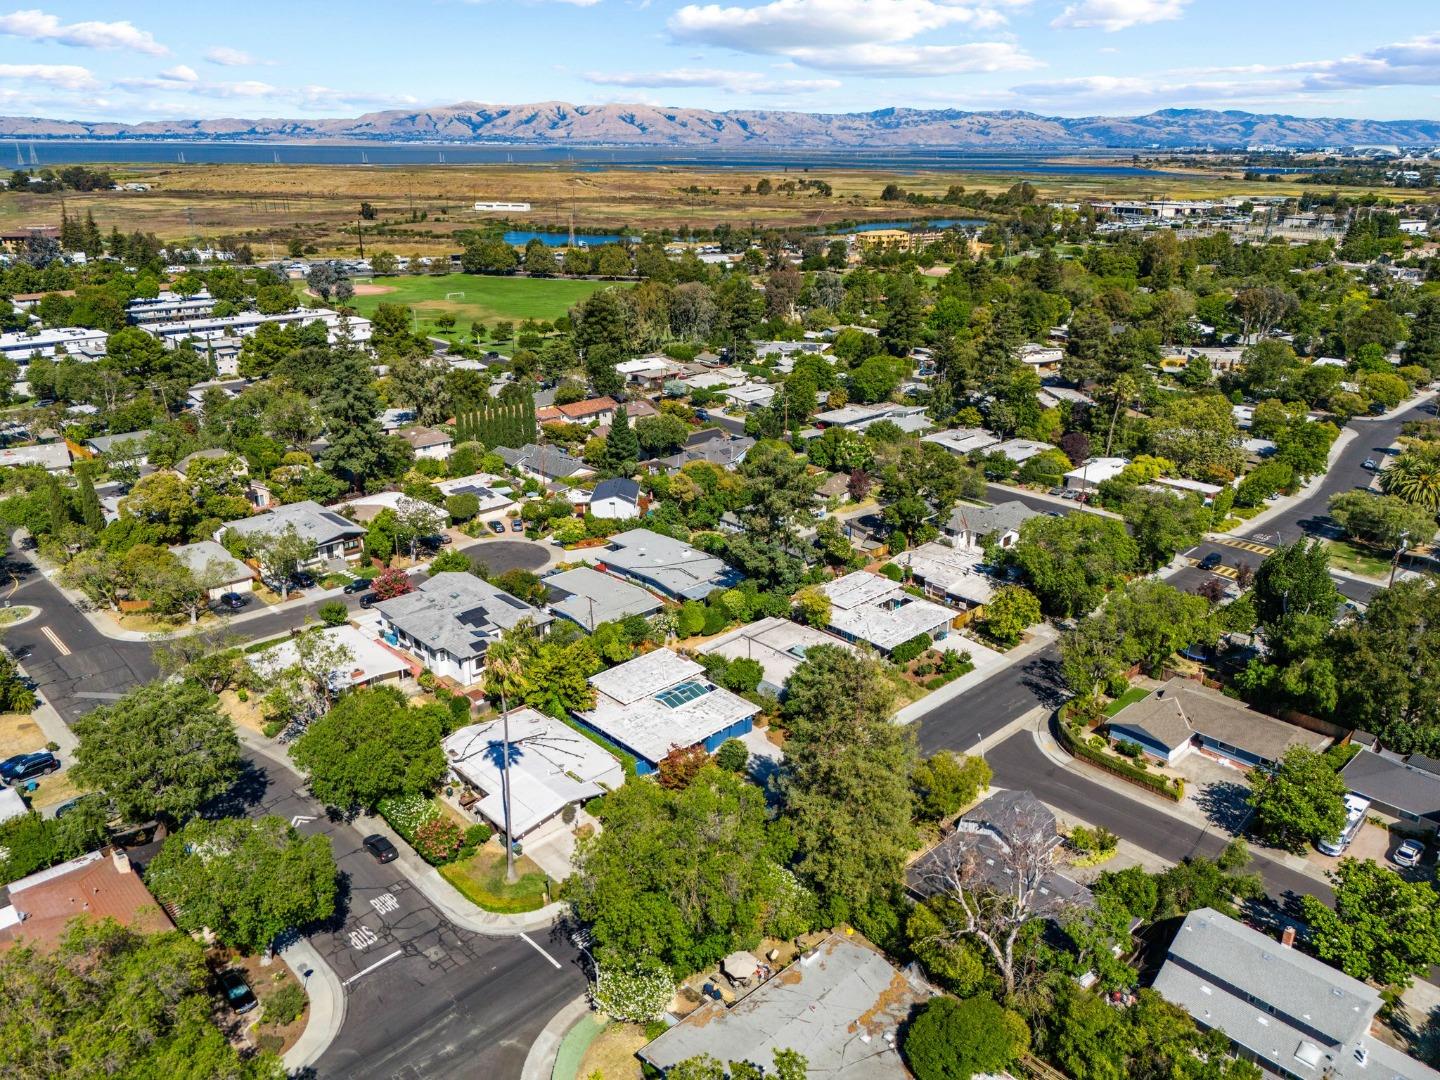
869 607
962 440
1099 469
957 572
551 765
369 659
635 706
1021 449
777 645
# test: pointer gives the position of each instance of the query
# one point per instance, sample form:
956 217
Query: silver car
1409 853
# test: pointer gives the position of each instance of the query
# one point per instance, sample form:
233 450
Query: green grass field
486 299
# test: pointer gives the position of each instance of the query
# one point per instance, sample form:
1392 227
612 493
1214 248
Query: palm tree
505 662
1415 477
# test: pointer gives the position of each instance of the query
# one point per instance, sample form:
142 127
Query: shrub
1128 748
285 1005
893 572
334 613
406 813
439 840
240 695
427 680
715 619
909 650
459 706
733 756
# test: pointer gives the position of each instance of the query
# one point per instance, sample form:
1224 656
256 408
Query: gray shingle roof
984 520
667 564
547 461
1215 716
458 612
590 598
618 488
311 520
1396 783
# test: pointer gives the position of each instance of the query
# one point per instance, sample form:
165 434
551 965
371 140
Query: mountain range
556 123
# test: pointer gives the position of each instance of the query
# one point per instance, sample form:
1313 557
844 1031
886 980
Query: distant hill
553 123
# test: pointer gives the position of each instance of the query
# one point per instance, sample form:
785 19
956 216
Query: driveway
501 555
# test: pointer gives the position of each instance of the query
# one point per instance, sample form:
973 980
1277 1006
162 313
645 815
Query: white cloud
181 73
225 56
740 82
917 61
1113 15
1406 63
40 26
67 76
781 25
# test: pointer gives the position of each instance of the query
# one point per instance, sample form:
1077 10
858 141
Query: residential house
600 410
871 608
588 598
368 662
648 371
1009 827
450 621
714 445
22 346
392 420
1289 1013
1185 714
428 443
1020 450
952 574
909 418
841 1006
664 564
617 499
53 457
169 307
366 508
1183 486
238 468
1053 394
962 441
551 766
659 701
754 395
778 645
1405 788
975 526
106 444
247 322
1041 359
546 463
208 561
1095 472
337 540
98 885
493 493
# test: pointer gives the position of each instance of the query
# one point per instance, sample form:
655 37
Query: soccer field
486 299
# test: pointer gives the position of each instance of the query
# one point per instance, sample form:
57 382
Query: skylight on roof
683 693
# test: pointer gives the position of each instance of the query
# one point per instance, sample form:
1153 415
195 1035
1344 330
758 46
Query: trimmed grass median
481 878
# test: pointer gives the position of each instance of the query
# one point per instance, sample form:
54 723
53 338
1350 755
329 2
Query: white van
1355 810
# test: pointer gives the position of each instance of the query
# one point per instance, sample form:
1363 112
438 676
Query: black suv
380 847
24 767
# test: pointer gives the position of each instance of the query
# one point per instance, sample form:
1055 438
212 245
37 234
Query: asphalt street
424 998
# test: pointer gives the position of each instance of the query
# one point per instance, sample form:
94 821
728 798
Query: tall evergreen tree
56 506
349 406
90 511
622 448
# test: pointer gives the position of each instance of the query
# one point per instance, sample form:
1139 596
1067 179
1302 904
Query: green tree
1383 520
1415 477
1010 612
280 554
162 750
90 511
246 879
954 1040
1295 597
946 783
1387 667
682 877
847 790
1382 929
1070 561
116 1002
1300 801
622 448
372 744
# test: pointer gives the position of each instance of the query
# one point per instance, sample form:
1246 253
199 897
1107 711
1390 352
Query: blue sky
1063 57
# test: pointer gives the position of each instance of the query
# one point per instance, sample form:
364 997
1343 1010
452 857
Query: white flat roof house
909 418
664 564
777 645
551 766
949 573
871 608
370 662
247 322
53 457
1020 450
1095 472
1042 358
661 700
334 536
588 598
962 440
492 492
78 341
169 307
450 620
755 395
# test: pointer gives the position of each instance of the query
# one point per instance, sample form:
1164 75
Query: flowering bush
636 995
391 583
439 840
407 813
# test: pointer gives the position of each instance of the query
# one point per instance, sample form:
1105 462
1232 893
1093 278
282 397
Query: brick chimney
121 861
1288 937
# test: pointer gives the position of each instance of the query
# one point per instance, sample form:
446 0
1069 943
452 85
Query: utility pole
360 235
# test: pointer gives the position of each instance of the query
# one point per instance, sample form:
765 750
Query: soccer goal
455 296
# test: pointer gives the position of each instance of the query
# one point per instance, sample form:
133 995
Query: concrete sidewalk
540 1062
327 1004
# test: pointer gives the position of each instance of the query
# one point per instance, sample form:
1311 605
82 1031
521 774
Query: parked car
1211 561
367 599
238 994
233 601
1409 853
302 579
516 525
497 527
356 586
22 767
1370 464
380 847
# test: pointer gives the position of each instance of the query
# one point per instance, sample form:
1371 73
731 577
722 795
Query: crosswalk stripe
55 640
1223 570
1246 545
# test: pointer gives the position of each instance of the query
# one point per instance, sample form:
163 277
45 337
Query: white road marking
366 971
363 938
384 902
532 943
301 819
60 646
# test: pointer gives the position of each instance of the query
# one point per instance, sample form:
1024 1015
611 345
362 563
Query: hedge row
1160 785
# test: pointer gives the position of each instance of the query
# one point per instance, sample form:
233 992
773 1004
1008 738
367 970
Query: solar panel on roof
476 616
337 519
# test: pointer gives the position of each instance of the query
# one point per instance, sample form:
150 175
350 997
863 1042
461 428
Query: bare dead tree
994 886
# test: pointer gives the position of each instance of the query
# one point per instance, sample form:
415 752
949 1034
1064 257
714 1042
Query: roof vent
1362 1055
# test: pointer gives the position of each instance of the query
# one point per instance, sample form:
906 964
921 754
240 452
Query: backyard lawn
1134 694
485 299
482 879
1355 559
